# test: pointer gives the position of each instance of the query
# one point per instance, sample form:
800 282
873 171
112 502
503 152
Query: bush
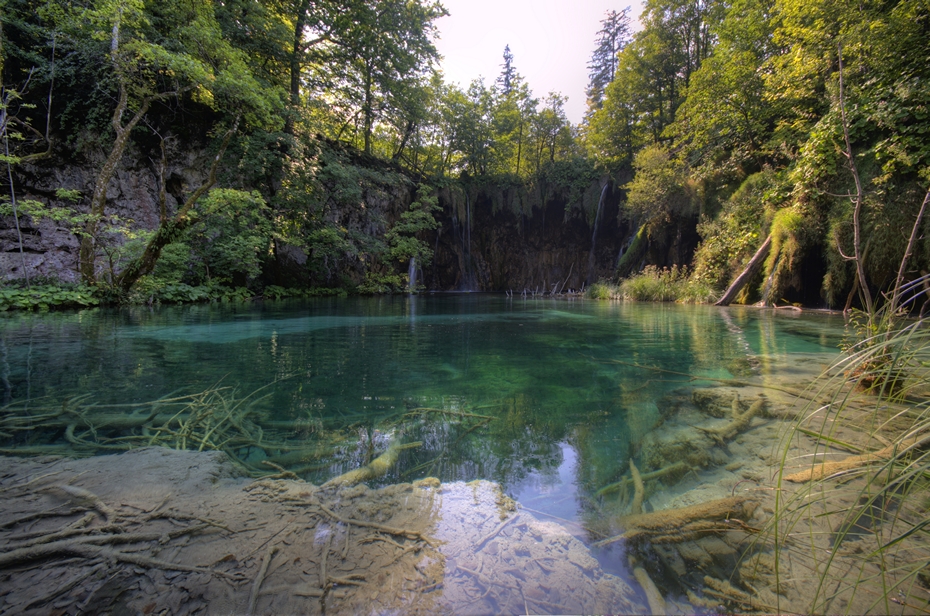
16 296
152 290
665 285
277 292
603 290
378 284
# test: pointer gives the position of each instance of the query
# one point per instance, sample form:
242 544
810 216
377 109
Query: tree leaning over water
743 98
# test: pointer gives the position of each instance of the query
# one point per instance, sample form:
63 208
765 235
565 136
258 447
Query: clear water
354 372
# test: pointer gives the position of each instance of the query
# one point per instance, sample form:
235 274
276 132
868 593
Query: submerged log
827 469
686 523
740 421
677 467
376 468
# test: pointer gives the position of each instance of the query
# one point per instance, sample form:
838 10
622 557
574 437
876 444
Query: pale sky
551 42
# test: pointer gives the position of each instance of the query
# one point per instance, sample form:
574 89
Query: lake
549 398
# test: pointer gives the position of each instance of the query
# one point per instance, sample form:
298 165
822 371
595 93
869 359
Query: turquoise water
354 374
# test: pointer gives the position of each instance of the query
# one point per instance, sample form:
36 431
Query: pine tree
612 37
505 81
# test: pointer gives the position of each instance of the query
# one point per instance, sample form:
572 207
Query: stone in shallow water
507 567
483 556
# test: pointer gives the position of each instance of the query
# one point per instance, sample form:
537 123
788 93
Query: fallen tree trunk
376 468
751 268
826 469
676 525
739 421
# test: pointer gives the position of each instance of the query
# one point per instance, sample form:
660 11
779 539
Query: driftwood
257 585
653 596
85 498
672 469
740 421
686 523
746 275
639 491
826 469
376 468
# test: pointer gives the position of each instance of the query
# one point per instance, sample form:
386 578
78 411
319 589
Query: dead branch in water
683 524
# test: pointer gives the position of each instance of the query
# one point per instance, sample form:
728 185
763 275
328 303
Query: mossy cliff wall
494 234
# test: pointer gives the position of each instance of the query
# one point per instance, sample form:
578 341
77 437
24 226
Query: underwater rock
717 401
156 530
673 444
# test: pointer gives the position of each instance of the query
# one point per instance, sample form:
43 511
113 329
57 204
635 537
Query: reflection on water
550 399
542 369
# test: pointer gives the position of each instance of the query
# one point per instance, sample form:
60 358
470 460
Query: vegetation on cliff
726 124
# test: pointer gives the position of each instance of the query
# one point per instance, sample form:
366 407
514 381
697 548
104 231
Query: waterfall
468 276
597 217
412 276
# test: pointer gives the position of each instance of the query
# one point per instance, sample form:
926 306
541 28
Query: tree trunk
88 251
169 230
368 109
751 268
297 49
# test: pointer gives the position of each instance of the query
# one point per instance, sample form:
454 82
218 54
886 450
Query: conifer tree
613 35
506 79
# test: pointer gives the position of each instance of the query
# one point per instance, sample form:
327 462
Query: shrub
665 285
15 296
603 290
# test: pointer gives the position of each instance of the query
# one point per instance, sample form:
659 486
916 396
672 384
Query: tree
508 74
660 191
402 240
550 128
611 38
150 55
726 117
388 44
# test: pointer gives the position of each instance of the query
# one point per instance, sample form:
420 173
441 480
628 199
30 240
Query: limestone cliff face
490 238
501 240
51 248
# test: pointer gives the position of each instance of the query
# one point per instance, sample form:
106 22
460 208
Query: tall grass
665 285
860 529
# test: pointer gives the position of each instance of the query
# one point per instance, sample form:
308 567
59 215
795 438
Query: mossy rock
743 366
714 401
673 402
665 447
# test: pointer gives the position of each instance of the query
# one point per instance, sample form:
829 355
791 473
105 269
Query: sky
551 42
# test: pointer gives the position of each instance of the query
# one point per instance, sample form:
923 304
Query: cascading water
412 275
597 217
468 276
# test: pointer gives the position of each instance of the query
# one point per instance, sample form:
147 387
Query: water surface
548 398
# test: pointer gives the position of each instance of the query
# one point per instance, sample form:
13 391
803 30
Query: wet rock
672 444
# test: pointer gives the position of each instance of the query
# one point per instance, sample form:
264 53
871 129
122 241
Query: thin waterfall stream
597 216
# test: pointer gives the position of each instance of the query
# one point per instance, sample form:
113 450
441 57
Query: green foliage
232 235
420 216
18 296
569 178
603 290
380 284
665 285
730 239
661 188
277 292
789 229
151 290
